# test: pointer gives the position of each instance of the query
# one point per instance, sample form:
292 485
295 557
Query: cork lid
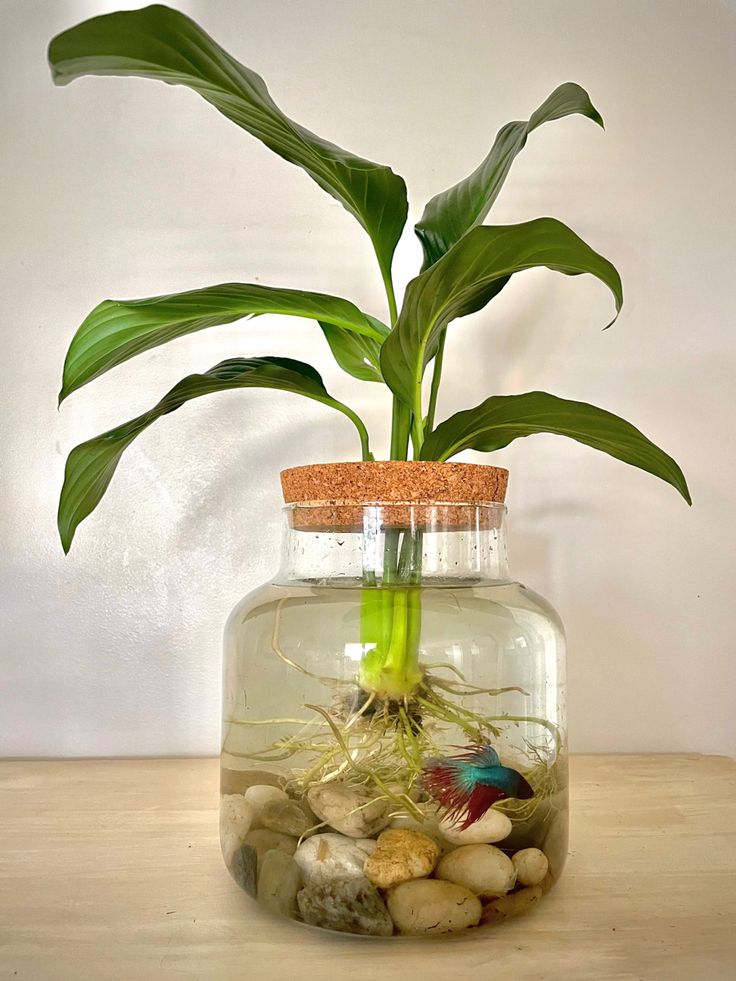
333 495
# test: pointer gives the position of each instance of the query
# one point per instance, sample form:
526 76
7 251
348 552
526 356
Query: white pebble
331 856
483 869
493 826
531 866
261 794
236 818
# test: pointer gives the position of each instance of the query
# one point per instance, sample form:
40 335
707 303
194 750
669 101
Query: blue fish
467 785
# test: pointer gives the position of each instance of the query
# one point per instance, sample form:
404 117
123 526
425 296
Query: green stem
390 621
388 285
417 432
391 668
365 448
400 426
436 375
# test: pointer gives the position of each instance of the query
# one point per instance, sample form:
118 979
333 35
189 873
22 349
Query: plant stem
417 432
390 620
436 375
365 448
400 426
400 415
388 284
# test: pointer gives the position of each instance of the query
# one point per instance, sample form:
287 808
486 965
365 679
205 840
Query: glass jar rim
360 517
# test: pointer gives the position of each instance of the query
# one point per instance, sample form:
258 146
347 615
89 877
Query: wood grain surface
111 870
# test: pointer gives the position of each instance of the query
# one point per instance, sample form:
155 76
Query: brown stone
513 904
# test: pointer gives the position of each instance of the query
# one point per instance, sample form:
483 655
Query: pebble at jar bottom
337 858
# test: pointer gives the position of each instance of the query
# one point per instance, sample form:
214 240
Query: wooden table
111 870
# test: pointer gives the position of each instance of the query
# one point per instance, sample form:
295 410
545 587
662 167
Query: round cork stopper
333 495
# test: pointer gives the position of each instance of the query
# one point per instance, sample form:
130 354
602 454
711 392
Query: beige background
128 188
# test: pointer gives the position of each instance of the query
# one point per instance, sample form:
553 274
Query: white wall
123 188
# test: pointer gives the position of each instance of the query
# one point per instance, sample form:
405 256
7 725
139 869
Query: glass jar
394 750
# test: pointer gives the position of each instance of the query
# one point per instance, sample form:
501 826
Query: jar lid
412 493
394 482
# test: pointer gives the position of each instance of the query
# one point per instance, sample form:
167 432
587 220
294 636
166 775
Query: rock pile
342 860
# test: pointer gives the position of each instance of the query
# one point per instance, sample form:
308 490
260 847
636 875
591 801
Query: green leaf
119 329
449 215
357 353
91 465
503 418
159 43
470 275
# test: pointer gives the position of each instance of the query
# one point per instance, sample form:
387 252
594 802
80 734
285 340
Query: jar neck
394 544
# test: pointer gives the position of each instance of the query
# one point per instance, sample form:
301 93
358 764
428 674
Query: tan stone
427 906
402 854
483 869
514 904
531 866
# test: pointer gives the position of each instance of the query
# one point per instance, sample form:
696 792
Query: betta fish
468 784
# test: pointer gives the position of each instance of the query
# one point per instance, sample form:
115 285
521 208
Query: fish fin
480 800
480 755
450 782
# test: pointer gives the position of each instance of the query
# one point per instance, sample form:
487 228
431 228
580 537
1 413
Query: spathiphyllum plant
465 264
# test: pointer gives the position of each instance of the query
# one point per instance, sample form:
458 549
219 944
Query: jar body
426 710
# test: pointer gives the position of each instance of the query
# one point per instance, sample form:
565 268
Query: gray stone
279 880
263 840
346 905
285 816
243 868
348 809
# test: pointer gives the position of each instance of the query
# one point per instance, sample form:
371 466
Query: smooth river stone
243 866
330 856
492 826
260 794
531 866
236 818
262 840
347 905
279 880
285 816
401 854
426 906
514 904
483 869
348 810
